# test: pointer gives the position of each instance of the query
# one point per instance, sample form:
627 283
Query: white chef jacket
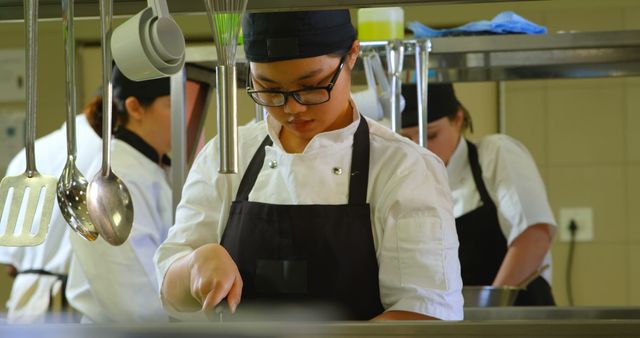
117 283
30 293
512 180
413 227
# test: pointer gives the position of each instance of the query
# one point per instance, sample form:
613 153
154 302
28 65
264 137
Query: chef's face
442 135
306 121
152 122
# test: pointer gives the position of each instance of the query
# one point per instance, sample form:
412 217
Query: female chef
42 270
327 207
504 222
117 283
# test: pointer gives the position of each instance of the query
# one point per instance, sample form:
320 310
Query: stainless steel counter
553 313
494 322
516 328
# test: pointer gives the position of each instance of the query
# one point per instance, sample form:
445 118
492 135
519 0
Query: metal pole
423 47
259 113
395 57
178 136
227 119
502 107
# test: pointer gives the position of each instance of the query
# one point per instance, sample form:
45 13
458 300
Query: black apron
308 254
59 277
483 245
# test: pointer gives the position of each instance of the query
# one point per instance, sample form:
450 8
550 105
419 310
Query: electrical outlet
584 220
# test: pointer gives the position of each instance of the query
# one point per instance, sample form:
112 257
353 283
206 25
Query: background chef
117 283
43 269
503 218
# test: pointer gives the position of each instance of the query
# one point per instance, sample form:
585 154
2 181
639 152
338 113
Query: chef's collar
457 163
135 141
322 141
277 36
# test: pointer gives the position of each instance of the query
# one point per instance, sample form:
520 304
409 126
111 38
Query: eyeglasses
305 96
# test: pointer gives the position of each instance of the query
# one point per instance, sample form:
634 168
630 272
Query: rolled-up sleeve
198 215
418 245
515 184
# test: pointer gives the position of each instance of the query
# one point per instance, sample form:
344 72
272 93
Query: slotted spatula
30 197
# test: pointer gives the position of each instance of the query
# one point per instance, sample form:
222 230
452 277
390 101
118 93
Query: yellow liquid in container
380 30
382 23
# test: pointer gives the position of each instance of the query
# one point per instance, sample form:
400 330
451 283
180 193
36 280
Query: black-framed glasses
305 96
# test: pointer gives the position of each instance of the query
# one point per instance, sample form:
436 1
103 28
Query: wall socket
584 220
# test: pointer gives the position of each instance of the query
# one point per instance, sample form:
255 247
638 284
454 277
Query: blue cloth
504 23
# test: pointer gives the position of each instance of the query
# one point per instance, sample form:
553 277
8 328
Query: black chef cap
441 102
280 36
144 91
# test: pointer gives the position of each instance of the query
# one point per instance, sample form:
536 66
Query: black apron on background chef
277 247
483 245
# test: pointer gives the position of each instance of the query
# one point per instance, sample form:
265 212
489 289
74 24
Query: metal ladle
109 202
72 185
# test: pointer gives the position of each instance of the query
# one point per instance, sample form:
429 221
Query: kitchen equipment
395 57
385 23
225 18
488 296
423 48
367 100
72 185
108 199
30 196
150 44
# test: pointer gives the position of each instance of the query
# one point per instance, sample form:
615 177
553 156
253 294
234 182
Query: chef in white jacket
328 207
117 283
42 270
503 218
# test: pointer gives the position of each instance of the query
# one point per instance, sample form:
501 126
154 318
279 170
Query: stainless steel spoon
109 202
72 185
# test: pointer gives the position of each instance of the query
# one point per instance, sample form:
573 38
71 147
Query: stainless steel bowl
488 296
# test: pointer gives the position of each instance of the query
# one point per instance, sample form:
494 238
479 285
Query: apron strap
59 276
251 175
476 170
358 180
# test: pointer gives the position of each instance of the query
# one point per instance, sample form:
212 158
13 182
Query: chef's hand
12 271
214 276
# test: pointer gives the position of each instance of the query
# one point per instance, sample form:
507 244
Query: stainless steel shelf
519 57
11 10
506 57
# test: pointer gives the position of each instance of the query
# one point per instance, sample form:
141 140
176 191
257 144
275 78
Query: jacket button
273 164
337 171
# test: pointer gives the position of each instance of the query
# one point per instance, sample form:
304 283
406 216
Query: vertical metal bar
178 136
259 113
423 47
395 58
502 107
227 119
70 53
106 10
31 32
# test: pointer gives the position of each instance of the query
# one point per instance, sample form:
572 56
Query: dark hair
120 117
467 122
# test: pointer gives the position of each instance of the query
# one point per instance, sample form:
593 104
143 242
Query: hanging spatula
30 197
